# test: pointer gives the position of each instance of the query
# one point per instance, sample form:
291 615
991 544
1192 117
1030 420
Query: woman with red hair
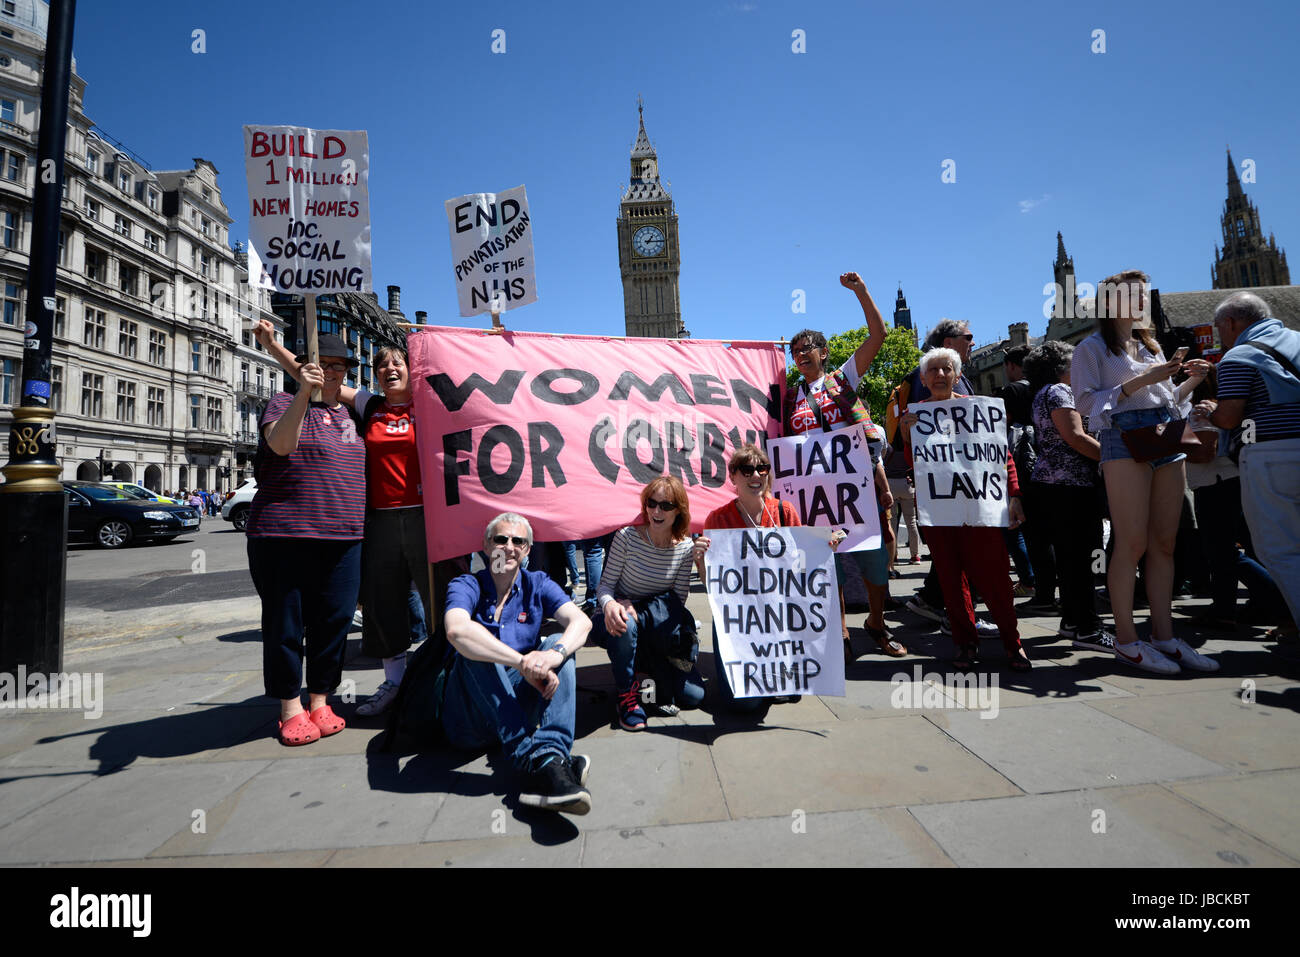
642 617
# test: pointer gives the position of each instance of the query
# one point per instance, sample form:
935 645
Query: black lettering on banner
453 465
840 448
732 619
713 462
751 437
499 483
680 446
596 450
746 393
643 472
588 385
453 397
709 389
925 424
545 458
778 471
653 391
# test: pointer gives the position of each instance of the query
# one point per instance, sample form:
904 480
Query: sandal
1020 661
298 730
965 660
328 722
886 642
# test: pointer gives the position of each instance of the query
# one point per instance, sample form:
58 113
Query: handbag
1152 442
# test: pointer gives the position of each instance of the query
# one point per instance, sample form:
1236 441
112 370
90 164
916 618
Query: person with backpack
827 401
1259 382
507 684
396 553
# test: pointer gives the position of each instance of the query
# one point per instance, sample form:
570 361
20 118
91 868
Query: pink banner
567 430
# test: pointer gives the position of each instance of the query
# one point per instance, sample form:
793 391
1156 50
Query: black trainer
556 787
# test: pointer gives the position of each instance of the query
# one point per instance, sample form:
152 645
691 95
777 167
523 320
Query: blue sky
786 169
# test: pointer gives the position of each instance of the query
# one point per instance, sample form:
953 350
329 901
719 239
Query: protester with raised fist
826 401
642 619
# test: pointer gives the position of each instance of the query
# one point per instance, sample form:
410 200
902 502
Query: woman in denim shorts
1121 382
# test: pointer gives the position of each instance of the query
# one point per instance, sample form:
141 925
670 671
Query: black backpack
416 713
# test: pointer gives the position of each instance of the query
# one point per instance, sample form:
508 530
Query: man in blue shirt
507 686
1259 386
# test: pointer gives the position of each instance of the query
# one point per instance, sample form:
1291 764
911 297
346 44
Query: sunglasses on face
801 351
748 470
334 366
514 540
651 505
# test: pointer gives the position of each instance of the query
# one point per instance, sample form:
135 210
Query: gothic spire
642 145
1234 184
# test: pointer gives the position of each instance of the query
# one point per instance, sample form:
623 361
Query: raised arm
264 333
865 353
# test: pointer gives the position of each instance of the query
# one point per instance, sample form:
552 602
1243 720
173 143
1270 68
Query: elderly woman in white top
1123 383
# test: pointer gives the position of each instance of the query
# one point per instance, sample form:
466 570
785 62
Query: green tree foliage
896 358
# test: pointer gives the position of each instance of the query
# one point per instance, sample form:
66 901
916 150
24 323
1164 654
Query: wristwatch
559 646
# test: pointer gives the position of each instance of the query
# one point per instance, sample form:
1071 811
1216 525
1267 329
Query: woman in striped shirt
304 542
1122 383
642 594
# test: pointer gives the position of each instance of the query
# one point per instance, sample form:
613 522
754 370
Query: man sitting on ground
507 685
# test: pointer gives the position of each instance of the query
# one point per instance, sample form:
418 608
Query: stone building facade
1246 259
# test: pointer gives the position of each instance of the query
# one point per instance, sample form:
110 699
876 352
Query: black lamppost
33 507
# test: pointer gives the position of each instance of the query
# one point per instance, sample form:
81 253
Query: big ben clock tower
649 257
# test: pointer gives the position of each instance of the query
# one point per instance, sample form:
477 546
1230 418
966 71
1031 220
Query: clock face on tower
648 241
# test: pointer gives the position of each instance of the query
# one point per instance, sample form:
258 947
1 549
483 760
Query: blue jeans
1270 497
415 611
593 557
488 704
1112 442
687 687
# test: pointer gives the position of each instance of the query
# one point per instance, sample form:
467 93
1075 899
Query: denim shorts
1112 442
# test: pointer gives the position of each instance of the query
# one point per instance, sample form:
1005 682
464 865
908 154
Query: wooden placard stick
313 346
497 328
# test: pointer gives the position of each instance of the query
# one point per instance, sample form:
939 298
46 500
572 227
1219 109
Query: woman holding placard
305 526
977 552
642 599
754 507
395 553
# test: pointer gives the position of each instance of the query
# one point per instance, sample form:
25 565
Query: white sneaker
1180 651
378 702
1145 656
356 620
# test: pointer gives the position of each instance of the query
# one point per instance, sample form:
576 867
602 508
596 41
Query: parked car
142 493
110 518
235 508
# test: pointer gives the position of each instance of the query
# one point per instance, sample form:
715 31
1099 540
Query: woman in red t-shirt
754 507
395 553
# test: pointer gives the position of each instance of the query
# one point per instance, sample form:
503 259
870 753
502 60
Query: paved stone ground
1083 764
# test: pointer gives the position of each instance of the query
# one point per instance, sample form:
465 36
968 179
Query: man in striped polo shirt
1259 387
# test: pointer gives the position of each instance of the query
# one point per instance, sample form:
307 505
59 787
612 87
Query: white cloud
1027 204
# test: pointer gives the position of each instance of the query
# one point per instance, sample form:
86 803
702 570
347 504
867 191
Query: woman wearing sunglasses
395 553
642 599
305 526
754 507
